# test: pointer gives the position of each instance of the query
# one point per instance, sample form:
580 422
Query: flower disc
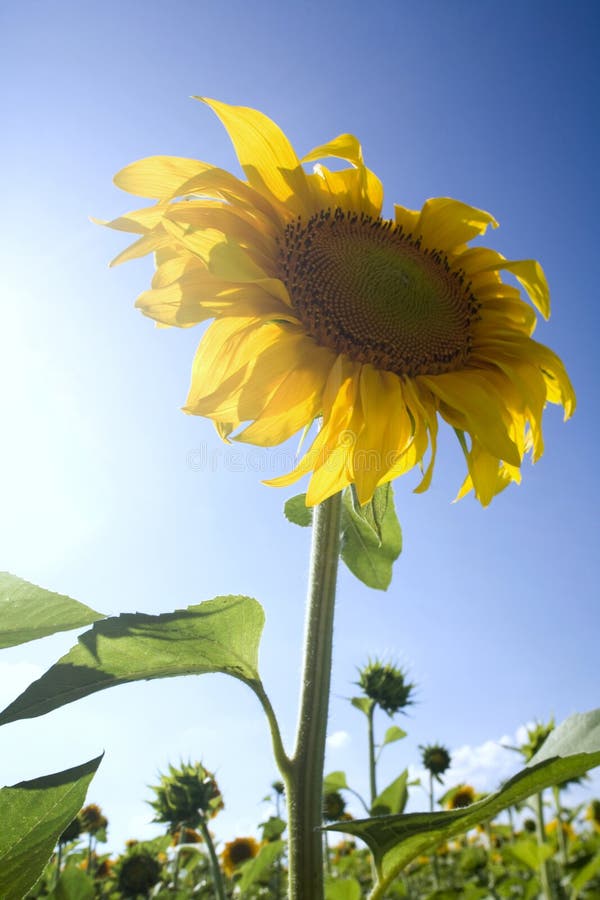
363 287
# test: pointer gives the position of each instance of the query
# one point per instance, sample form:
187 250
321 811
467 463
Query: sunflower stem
304 776
372 761
214 862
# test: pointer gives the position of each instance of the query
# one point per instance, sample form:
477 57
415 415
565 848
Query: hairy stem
304 774
214 862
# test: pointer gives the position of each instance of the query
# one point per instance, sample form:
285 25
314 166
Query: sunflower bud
436 759
386 685
186 796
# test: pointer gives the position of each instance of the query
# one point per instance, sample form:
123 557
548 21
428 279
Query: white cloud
337 740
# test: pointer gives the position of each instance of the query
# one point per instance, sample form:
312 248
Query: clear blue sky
495 612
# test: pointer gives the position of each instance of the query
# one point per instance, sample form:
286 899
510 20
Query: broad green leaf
393 734
258 868
273 828
28 612
34 814
335 781
220 635
529 852
373 513
297 512
371 542
74 884
392 800
591 869
365 704
342 889
394 841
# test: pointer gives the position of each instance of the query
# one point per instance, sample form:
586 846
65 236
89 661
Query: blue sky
494 612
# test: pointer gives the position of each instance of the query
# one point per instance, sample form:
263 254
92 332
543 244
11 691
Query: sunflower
237 852
326 311
459 797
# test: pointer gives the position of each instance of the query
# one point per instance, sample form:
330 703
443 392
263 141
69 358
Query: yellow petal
147 244
407 219
483 409
158 176
446 223
265 154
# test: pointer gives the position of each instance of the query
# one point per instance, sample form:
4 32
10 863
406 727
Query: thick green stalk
545 876
372 760
304 776
434 859
214 862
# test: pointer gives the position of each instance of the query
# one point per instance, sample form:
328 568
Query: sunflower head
325 309
92 820
71 832
334 806
536 735
186 796
386 685
237 852
186 836
137 873
459 797
529 826
436 759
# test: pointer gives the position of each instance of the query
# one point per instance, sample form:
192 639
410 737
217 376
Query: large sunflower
326 311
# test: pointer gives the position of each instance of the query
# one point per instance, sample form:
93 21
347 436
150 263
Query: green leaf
297 512
28 612
392 800
258 868
365 704
393 734
571 750
335 781
34 814
579 881
373 512
273 828
74 884
342 889
220 635
528 852
371 538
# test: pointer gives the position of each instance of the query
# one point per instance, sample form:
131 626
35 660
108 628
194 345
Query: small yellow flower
459 797
237 852
326 310
567 829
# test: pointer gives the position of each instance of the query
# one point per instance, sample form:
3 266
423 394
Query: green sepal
220 635
371 538
29 612
571 749
34 814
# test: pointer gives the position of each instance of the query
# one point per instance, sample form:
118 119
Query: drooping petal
265 155
447 223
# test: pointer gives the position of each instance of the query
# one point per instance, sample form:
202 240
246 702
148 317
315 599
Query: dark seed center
363 287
